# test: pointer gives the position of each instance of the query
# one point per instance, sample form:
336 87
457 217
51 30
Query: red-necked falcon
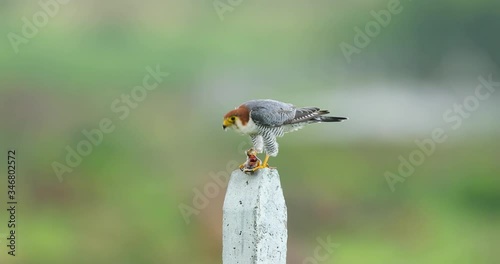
264 120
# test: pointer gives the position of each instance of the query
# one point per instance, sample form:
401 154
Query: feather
313 115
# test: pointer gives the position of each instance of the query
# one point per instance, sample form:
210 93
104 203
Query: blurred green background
121 204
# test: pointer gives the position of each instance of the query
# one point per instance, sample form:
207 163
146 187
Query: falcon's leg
264 164
270 146
258 143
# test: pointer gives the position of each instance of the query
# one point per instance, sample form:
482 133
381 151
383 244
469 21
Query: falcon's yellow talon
263 165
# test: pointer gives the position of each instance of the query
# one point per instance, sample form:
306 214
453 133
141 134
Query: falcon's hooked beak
229 121
226 124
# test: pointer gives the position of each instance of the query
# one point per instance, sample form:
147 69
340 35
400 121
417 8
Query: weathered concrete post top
255 219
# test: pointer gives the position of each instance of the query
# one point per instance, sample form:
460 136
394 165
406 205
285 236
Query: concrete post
255 219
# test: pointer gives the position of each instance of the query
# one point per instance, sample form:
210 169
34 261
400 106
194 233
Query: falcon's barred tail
331 119
323 118
314 115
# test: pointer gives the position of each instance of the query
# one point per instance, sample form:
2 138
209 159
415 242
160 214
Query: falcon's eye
232 118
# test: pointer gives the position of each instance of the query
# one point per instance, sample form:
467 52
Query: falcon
265 120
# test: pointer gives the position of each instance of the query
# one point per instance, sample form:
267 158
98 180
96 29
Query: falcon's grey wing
270 112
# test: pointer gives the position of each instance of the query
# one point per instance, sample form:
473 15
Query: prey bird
264 120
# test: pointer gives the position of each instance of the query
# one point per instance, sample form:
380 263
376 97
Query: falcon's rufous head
238 117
